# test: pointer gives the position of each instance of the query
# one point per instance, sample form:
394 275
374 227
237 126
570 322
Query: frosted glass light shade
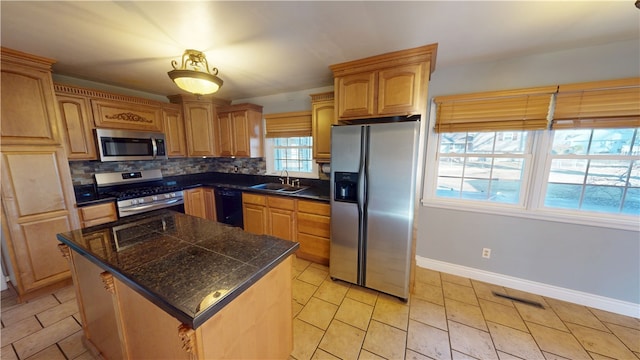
195 82
194 75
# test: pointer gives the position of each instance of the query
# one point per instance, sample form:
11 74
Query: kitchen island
169 285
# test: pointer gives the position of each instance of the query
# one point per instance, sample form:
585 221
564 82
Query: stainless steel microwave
123 145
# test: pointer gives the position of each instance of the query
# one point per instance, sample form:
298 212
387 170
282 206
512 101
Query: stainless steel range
140 191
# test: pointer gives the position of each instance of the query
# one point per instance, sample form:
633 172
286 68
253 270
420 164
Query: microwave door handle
155 147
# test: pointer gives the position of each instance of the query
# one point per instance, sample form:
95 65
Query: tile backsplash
82 171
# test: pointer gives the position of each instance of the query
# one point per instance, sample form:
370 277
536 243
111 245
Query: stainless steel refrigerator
373 185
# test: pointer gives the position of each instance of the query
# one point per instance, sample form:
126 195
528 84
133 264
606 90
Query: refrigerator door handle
362 204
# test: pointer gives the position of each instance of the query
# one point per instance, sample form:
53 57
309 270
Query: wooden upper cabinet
174 131
123 115
399 90
392 84
199 126
77 122
356 95
200 119
322 117
29 114
240 130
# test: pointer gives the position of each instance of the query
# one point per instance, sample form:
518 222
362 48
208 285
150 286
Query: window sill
630 223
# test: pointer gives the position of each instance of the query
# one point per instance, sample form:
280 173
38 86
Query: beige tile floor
448 317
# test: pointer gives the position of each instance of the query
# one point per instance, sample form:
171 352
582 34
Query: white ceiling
264 48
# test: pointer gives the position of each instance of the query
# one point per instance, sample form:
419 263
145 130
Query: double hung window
289 145
568 151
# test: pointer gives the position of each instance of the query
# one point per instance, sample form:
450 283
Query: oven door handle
148 206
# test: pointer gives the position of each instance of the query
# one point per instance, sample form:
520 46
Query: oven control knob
173 195
167 196
134 201
154 198
140 201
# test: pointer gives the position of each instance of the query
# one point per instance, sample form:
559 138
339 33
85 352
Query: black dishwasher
229 206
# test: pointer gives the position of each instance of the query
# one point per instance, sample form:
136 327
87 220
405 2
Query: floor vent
520 300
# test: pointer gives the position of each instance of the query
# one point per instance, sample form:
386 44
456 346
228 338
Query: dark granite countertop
317 189
188 266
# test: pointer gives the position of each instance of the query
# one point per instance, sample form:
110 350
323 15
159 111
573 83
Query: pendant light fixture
194 75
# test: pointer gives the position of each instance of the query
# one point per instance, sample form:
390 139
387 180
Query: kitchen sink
280 187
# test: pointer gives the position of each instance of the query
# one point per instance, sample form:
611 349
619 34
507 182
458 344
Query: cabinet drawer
281 202
314 225
105 212
314 248
314 207
248 198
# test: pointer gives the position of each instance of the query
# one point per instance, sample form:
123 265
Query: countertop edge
244 188
199 319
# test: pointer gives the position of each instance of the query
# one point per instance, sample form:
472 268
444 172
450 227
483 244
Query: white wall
587 260
285 102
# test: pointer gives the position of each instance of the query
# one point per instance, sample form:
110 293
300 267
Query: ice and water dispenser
345 187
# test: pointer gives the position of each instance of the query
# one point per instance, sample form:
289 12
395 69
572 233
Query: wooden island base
119 323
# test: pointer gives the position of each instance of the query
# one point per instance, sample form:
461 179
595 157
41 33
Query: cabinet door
210 204
254 212
355 95
77 122
240 131
194 203
282 224
282 217
322 117
399 91
240 134
198 117
255 219
225 135
37 205
29 114
174 132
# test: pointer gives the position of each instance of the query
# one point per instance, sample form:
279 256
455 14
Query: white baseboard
573 296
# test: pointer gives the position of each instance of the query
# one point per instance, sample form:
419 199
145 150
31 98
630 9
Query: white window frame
270 160
534 185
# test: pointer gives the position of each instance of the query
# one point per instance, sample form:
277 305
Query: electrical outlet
486 253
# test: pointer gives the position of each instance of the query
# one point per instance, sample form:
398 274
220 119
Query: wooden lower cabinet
119 323
97 214
254 213
200 202
314 231
37 203
210 204
305 221
281 215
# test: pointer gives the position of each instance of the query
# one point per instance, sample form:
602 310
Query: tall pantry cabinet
37 193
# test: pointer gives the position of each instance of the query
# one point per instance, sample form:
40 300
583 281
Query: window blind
292 124
522 109
603 104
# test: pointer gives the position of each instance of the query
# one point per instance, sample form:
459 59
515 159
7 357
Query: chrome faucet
281 179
